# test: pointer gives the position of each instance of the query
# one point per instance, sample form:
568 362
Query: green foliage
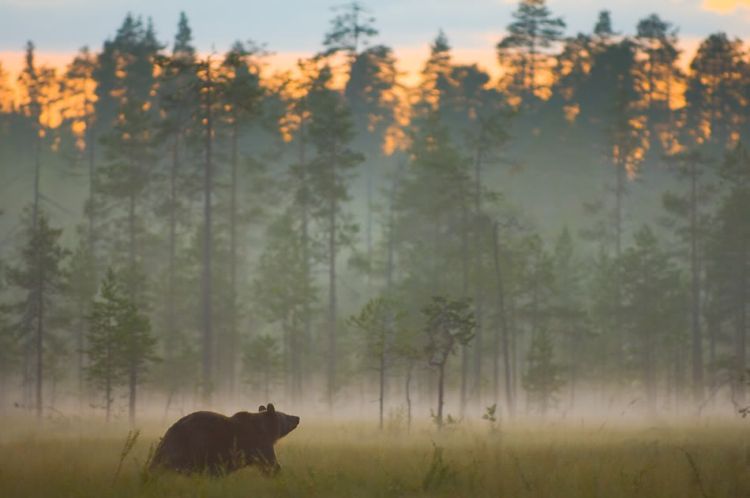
490 414
543 377
448 324
523 49
439 472
351 27
119 339
379 323
262 362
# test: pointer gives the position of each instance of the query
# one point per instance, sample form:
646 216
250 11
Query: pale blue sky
298 25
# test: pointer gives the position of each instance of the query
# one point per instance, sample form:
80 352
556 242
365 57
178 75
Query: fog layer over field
568 243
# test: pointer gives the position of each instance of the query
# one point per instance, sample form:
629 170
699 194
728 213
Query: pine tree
242 92
656 41
653 312
178 87
349 30
525 48
79 93
130 143
378 321
569 318
691 221
104 341
283 292
728 276
331 132
40 276
371 93
448 324
82 287
119 343
714 93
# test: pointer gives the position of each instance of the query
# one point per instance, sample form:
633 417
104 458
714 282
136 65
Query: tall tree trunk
91 214
132 385
478 291
465 356
619 194
108 384
171 342
39 341
231 346
381 398
368 235
91 247
39 293
503 330
713 324
132 374
532 68
332 300
441 394
407 392
741 330
207 259
303 367
697 344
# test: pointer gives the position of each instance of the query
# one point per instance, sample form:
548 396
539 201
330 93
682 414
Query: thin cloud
725 6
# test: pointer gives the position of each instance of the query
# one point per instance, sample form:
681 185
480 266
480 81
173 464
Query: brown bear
217 444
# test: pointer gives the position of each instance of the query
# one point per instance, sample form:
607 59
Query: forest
182 229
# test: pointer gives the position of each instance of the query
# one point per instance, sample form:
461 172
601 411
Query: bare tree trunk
132 375
478 291
332 301
619 193
695 315
206 274
304 201
441 394
504 330
741 331
368 235
39 342
381 398
108 399
465 357
407 391
171 341
132 384
231 346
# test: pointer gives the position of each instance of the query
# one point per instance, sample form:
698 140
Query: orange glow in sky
725 6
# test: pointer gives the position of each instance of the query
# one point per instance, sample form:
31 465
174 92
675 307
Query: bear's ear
261 408
270 408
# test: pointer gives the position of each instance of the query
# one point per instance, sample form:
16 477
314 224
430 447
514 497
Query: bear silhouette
216 444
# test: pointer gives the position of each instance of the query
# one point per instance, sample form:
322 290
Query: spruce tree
120 346
41 277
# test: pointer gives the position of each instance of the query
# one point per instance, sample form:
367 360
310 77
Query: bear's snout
288 424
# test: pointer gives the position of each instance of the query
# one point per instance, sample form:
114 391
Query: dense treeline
572 235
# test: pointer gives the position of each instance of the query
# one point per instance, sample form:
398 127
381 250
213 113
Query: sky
294 28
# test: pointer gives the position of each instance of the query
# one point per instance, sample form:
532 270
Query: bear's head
281 423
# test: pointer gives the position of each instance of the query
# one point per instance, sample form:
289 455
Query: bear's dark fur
217 444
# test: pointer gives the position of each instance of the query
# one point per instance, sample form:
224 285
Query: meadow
706 458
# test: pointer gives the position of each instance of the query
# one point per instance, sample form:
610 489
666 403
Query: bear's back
200 440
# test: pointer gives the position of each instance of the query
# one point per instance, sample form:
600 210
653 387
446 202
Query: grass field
702 459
